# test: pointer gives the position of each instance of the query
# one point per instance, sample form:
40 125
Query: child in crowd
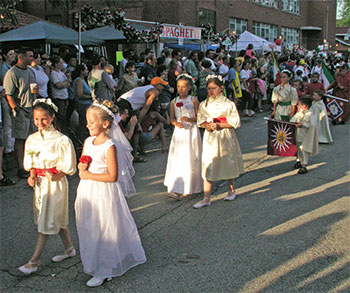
221 156
314 85
284 98
318 108
184 161
298 85
307 134
49 156
108 238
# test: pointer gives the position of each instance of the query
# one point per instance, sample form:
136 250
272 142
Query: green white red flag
326 77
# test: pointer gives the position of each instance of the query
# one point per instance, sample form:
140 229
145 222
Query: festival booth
260 44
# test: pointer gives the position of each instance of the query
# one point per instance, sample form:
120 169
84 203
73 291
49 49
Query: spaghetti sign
176 32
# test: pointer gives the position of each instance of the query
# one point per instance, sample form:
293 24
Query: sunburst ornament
281 137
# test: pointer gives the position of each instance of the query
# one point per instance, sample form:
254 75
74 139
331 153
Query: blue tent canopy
49 32
106 33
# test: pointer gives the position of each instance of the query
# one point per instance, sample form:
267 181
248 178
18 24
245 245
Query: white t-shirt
136 97
212 67
244 74
42 80
223 69
55 77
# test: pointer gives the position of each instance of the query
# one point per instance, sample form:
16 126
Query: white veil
125 168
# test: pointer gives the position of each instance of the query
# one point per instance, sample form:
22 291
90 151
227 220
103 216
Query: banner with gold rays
281 138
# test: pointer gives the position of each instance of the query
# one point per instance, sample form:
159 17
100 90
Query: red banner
337 108
281 138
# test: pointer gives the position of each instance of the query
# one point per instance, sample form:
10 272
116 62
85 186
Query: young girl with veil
108 238
184 160
221 154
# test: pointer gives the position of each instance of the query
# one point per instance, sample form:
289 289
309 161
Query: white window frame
265 30
238 25
291 6
267 3
290 36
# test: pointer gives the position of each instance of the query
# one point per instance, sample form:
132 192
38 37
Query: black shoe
139 160
302 170
21 173
6 181
297 165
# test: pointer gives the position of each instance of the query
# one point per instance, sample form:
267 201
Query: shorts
22 124
1 136
145 138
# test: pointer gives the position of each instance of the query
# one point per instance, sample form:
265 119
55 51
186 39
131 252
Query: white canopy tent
259 43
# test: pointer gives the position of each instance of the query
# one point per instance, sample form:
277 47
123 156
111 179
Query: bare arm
151 95
80 90
112 169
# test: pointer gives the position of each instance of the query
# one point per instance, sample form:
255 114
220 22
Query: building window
266 31
292 6
206 16
290 36
269 3
238 25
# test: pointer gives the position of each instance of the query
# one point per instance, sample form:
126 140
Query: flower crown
211 76
185 75
110 113
46 101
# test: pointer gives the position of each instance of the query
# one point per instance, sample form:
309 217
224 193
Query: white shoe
33 267
245 112
201 204
251 113
95 281
65 255
231 196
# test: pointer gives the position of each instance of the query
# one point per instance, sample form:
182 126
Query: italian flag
326 77
276 71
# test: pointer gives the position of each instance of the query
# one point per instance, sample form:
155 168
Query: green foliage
344 5
7 11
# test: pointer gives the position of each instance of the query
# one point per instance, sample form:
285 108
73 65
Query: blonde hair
102 113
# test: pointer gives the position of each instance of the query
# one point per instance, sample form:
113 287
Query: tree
344 5
7 11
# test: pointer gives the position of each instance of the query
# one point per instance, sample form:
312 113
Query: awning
310 28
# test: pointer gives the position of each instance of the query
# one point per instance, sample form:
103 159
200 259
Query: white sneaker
95 281
232 196
201 204
65 255
245 112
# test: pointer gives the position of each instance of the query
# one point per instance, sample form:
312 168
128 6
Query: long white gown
183 172
108 238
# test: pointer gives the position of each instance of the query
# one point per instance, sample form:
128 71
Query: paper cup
34 88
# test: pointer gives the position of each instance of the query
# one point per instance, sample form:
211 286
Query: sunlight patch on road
337 206
312 191
144 206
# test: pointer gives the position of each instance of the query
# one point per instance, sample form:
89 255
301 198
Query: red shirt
312 87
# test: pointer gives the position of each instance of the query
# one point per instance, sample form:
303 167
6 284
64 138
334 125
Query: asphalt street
284 233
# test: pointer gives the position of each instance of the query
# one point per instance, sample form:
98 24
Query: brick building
302 22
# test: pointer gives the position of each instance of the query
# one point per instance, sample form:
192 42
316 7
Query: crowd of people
119 114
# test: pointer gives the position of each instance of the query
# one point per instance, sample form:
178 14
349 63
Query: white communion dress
183 171
108 238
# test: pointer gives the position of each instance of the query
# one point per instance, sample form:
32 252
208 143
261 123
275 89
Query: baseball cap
158 80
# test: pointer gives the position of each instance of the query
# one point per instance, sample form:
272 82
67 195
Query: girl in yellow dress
49 156
221 154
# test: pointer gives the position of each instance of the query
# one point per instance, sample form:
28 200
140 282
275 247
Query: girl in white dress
108 238
49 156
183 170
318 108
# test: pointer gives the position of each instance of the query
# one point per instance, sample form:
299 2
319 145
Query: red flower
85 159
220 120
179 104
